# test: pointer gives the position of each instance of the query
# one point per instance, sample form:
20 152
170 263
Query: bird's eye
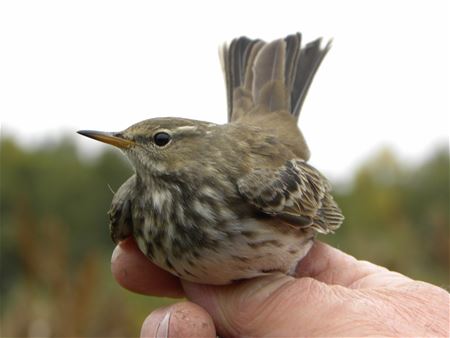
161 139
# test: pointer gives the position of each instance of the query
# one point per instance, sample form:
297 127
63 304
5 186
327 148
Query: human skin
333 294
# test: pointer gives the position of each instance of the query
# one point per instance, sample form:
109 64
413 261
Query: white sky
69 65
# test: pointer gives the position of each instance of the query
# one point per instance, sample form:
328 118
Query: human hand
333 295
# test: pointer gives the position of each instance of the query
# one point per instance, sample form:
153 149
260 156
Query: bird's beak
110 138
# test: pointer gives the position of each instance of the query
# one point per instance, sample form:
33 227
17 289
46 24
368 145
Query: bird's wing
295 192
121 223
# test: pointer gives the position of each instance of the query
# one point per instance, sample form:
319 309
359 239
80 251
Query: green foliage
54 183
55 245
398 216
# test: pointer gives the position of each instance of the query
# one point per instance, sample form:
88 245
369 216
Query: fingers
275 305
283 306
272 306
326 264
332 266
135 272
183 319
280 305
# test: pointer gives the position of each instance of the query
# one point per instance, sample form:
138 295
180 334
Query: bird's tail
269 76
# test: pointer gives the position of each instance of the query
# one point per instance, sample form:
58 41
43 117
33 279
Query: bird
218 203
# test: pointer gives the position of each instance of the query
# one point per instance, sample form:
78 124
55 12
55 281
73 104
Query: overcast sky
69 65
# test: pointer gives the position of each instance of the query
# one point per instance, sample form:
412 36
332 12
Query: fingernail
115 254
162 331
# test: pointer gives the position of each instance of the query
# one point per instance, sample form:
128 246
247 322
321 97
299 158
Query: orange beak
105 137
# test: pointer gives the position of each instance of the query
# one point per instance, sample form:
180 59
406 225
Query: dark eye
161 139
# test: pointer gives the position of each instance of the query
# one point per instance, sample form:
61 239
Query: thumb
275 305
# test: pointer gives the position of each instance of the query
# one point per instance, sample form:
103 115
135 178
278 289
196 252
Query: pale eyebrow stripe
185 128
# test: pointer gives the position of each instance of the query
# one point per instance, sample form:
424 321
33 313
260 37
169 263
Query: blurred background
376 121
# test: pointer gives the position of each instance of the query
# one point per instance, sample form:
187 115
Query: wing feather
296 192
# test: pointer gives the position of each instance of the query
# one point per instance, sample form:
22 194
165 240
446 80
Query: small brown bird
216 203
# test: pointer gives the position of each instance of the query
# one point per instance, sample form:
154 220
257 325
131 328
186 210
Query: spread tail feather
271 76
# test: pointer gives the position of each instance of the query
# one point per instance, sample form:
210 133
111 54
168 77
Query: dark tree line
55 244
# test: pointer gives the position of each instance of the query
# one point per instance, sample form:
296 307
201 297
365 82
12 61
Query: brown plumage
295 192
215 203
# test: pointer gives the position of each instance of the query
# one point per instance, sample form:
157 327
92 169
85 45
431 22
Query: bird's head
161 146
